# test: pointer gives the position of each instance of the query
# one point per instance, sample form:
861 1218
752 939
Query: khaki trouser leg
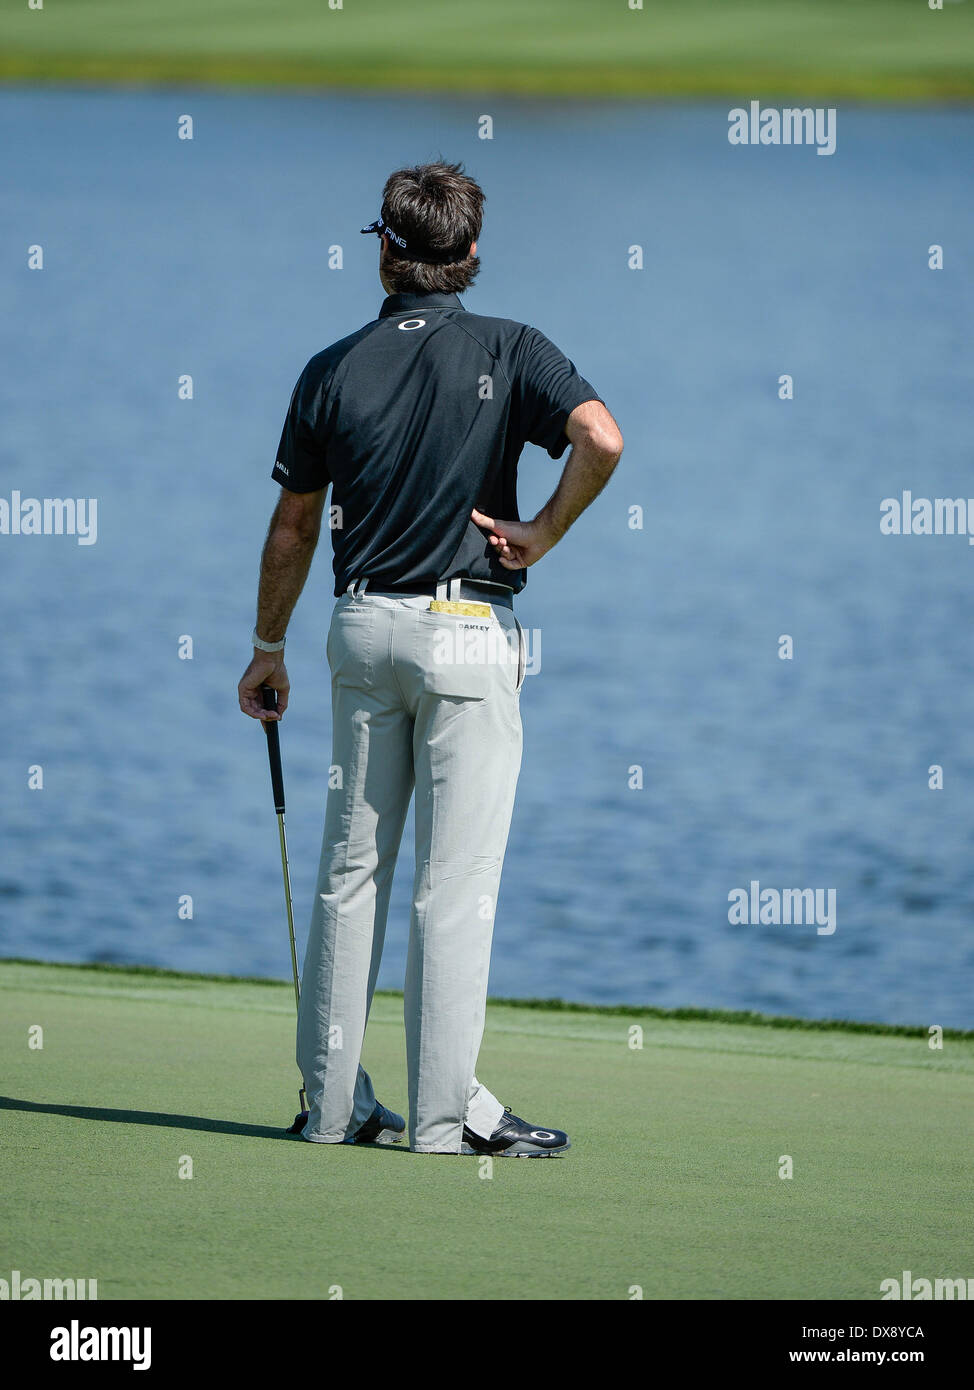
466 755
363 828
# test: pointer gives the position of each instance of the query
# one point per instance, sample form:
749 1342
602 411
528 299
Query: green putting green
883 49
672 1183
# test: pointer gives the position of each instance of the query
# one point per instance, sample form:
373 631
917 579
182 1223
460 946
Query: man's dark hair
443 208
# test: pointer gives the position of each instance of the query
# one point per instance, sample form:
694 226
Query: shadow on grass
160 1118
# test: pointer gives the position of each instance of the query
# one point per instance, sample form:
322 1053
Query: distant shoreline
634 83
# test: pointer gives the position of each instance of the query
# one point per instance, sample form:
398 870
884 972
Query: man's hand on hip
596 449
265 669
517 544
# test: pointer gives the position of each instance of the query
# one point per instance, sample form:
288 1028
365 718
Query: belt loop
351 588
441 590
454 590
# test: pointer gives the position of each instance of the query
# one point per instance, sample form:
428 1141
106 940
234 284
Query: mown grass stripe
564 1006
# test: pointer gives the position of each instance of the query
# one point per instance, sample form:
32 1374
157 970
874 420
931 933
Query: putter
269 698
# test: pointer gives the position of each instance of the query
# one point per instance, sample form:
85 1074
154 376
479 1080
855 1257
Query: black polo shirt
415 419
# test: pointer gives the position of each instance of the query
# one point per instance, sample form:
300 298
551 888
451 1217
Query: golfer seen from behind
417 421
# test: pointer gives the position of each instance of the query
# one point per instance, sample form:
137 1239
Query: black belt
468 591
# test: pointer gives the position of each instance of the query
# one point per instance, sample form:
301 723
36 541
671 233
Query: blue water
659 645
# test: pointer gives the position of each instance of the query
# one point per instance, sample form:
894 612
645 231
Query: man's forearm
587 470
596 449
284 565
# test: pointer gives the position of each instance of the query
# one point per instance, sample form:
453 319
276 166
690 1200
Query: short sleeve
548 389
301 464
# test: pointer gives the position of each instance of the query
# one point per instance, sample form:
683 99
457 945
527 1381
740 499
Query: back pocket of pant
350 647
460 657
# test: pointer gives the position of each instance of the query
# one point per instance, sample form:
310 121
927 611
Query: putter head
300 1120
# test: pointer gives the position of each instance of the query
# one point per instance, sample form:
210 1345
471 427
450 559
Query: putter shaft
269 698
290 914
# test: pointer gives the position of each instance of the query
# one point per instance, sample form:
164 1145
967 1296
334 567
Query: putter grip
269 698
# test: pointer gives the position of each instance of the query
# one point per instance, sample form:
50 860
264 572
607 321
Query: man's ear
473 248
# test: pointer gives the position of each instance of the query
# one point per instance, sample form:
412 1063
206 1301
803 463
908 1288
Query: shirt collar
403 303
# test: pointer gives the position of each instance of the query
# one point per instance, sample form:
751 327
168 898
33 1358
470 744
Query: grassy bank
887 50
672 1183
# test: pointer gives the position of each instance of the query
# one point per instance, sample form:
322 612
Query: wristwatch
268 646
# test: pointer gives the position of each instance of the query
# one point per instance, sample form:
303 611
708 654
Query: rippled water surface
659 645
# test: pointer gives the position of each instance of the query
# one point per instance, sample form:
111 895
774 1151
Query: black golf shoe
515 1138
382 1127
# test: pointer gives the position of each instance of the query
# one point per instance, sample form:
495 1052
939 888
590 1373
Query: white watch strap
268 646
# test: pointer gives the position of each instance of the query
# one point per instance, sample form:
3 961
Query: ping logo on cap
416 248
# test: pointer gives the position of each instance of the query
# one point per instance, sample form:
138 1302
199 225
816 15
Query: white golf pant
426 700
